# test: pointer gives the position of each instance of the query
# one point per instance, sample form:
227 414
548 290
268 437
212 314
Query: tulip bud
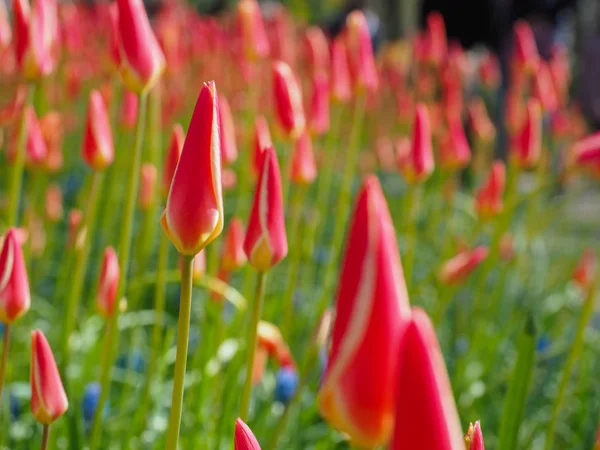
586 152
51 125
269 337
98 149
148 176
142 60
426 416
319 104
48 398
5 28
488 200
14 284
36 149
265 243
480 122
361 61
173 154
585 271
489 71
129 109
10 112
316 49
458 268
474 437
53 205
418 164
544 90
244 438
526 56
437 44
113 20
226 133
252 30
304 170
371 290
560 72
288 100
454 149
262 141
108 284
233 256
340 72
193 216
527 146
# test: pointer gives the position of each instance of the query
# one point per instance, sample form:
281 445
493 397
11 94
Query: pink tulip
527 145
14 283
226 133
341 90
48 398
371 314
586 152
11 111
244 438
113 20
437 44
418 164
474 437
148 178
304 169
316 49
426 416
361 60
489 71
36 149
108 284
288 100
233 256
489 198
193 216
53 205
544 90
252 30
98 149
480 121
454 151
458 268
525 56
172 157
265 243
319 104
262 141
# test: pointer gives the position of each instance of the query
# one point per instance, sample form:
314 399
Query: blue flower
543 344
135 361
91 397
286 384
15 406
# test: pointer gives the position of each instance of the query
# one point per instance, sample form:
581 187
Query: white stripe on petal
8 266
263 202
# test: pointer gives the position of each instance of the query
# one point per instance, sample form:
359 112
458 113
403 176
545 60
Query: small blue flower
15 407
543 344
91 397
135 361
286 384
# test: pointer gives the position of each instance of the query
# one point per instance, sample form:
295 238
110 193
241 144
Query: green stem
124 256
4 357
45 436
252 337
19 164
183 332
80 265
412 213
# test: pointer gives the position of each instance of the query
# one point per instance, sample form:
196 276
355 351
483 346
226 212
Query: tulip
108 284
265 243
437 44
261 357
252 30
585 270
193 216
14 283
74 220
281 35
98 149
48 398
244 438
586 151
340 72
226 133
426 415
148 178
262 141
5 28
10 112
113 20
361 61
36 149
526 56
488 200
474 437
560 72
458 268
53 206
129 109
288 100
316 50
304 169
371 290
480 122
319 104
51 125
417 164
489 71
233 256
544 90
172 157
455 153
527 145
142 60
270 339
506 247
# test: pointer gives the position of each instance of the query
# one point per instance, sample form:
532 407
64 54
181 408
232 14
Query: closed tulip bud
489 71
455 153
437 43
11 111
361 60
316 49
544 90
480 122
227 133
244 438
53 206
5 28
48 398
319 104
525 56
586 152
527 145
265 243
142 60
489 199
14 284
98 148
51 125
458 268
426 417
108 284
269 337
340 72
560 72
193 216
474 437
113 20
252 30
418 164
585 270
262 141
36 149
172 158
148 177
233 249
288 100
371 314
129 109
304 169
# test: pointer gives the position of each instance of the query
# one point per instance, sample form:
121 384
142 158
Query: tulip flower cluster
243 230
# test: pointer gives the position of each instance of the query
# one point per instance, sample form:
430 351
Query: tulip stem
112 328
252 337
413 197
19 164
183 332
45 436
4 357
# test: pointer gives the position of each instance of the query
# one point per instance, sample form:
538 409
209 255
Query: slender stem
45 436
183 332
412 216
4 358
252 337
124 256
19 164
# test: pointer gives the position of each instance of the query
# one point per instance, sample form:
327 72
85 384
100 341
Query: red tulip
489 71
53 206
48 398
585 271
252 30
98 149
270 339
544 90
244 438
527 145
526 56
480 122
36 150
11 111
14 284
281 34
172 157
226 133
262 141
560 72
458 268
148 177
265 243
437 44
304 169
426 416
113 20
586 152
361 61
340 72
418 164
129 109
233 249
5 28
371 313
288 100
319 104
108 284
488 200
193 216
52 128
454 149
142 60
474 437
316 49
